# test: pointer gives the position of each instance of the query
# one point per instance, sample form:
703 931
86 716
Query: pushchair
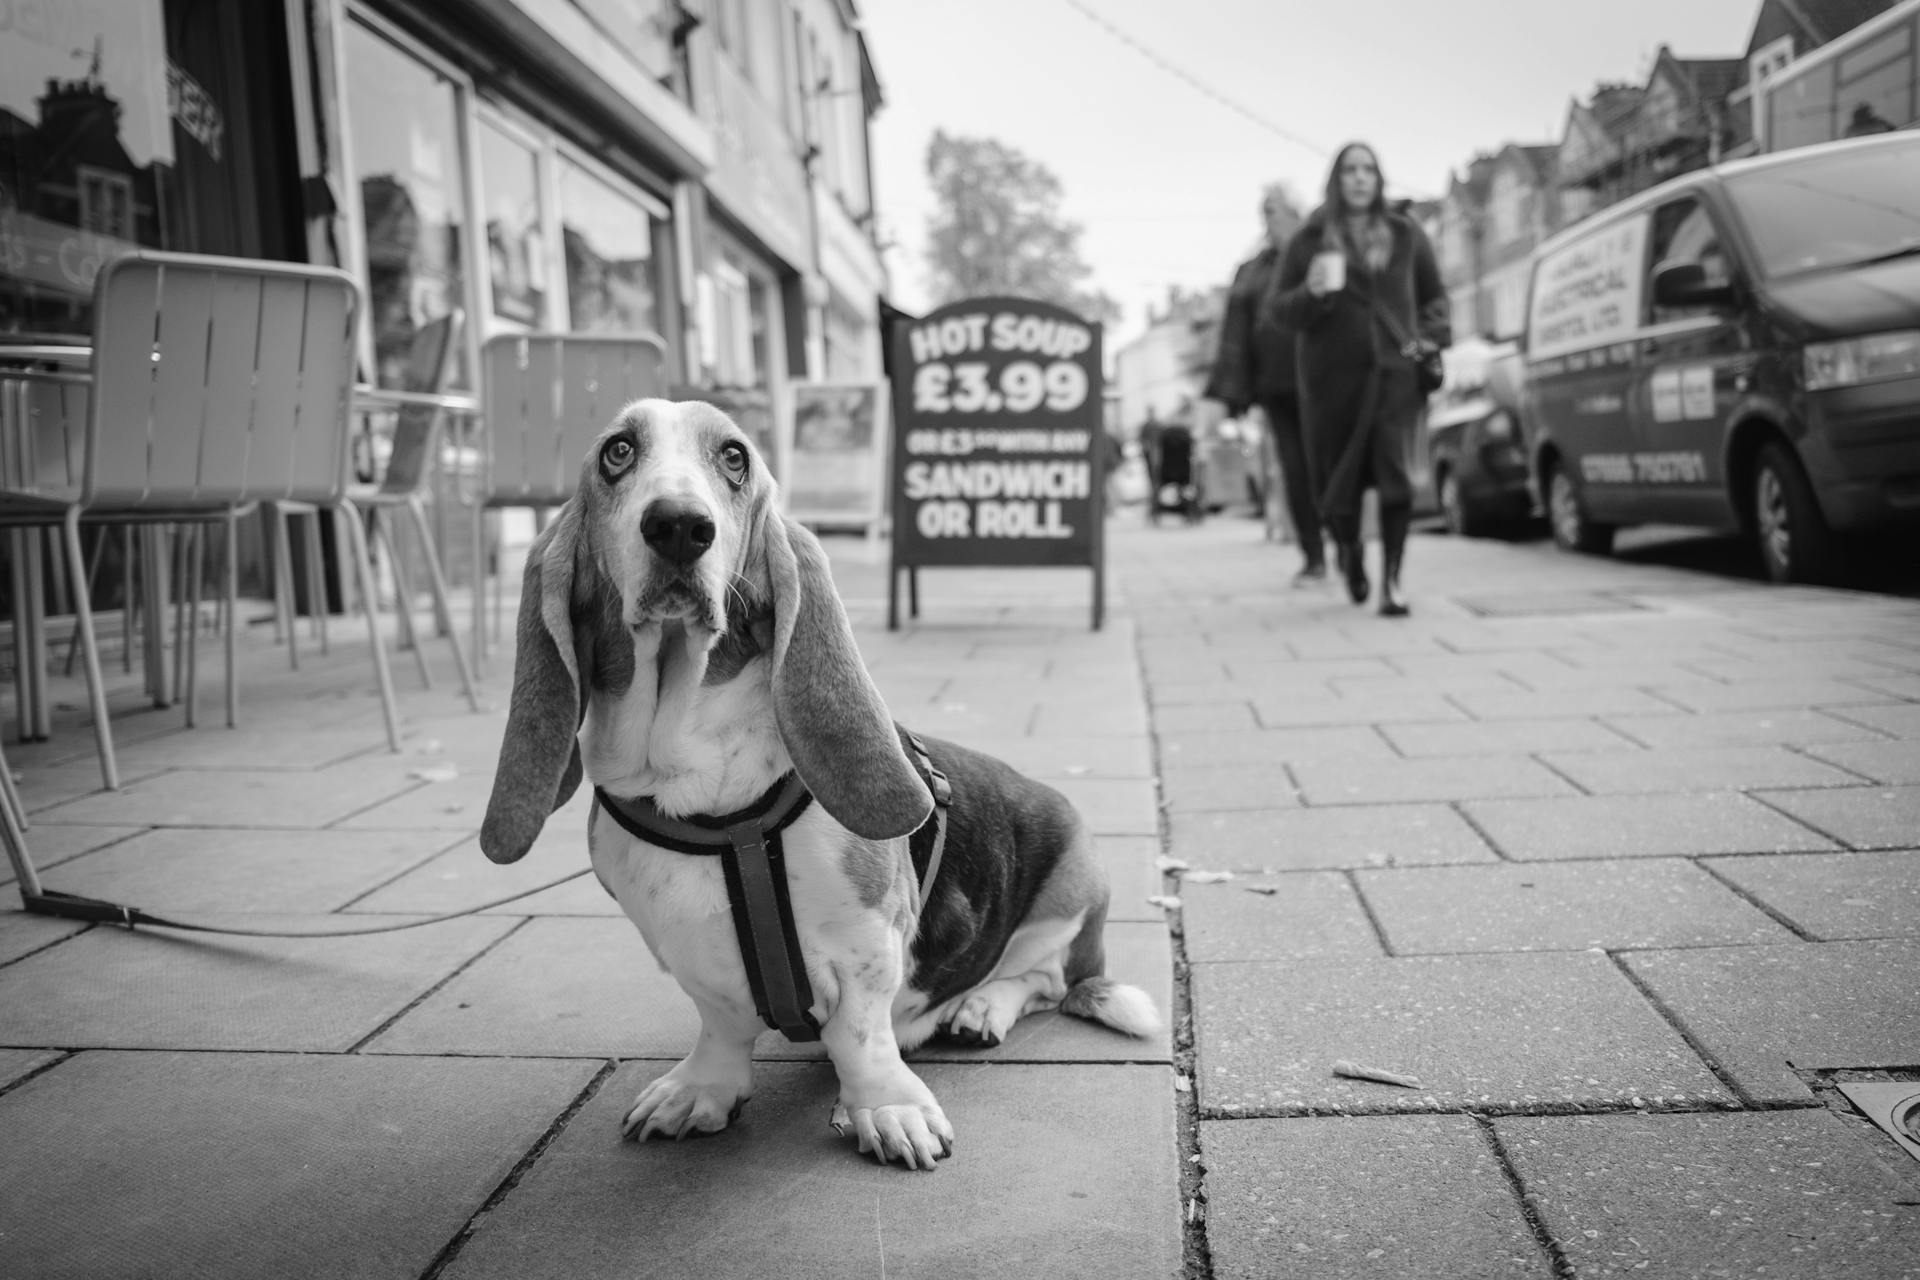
1176 476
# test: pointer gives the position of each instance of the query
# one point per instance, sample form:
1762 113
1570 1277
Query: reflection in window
406 149
516 251
1683 232
608 238
86 150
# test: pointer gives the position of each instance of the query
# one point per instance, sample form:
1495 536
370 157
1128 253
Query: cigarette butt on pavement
1352 1072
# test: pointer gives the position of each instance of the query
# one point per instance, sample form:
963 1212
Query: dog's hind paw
969 1035
678 1108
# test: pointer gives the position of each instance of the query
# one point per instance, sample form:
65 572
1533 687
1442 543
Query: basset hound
681 641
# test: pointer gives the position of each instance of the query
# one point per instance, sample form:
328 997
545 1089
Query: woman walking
1360 288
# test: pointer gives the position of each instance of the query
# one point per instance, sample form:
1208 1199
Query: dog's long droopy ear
540 756
832 720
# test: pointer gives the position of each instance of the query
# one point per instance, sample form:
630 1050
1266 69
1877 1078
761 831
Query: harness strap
942 798
756 871
754 863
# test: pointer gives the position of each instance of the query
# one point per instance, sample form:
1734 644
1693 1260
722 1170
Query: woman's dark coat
1350 366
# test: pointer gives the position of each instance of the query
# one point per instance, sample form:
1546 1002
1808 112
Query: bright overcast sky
1165 179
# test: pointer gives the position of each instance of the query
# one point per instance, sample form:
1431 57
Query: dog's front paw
677 1105
915 1133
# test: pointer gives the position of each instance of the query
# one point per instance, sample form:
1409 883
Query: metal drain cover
1894 1105
1548 604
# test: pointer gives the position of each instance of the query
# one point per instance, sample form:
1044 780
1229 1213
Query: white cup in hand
1327 273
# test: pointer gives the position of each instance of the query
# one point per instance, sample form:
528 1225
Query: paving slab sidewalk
1621 893
1551 845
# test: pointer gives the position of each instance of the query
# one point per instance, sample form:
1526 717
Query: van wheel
1464 520
1795 543
1571 528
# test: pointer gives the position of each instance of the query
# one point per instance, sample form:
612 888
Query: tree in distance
997 229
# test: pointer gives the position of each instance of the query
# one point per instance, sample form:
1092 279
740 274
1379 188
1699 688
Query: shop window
849 340
642 29
106 202
136 124
608 240
515 225
404 117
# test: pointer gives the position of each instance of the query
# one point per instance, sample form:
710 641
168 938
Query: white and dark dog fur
680 639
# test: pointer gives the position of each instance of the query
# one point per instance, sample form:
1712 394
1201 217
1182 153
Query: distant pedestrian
1358 285
1254 365
1113 456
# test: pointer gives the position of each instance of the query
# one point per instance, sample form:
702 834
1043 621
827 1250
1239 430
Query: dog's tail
1114 1004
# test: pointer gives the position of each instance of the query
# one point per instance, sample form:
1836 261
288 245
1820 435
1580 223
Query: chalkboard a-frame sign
996 449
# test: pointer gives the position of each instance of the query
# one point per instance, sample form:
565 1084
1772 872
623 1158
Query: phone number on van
1643 468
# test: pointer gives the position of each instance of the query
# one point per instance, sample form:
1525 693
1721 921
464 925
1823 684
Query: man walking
1255 366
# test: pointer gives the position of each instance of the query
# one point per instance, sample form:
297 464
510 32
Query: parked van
1737 348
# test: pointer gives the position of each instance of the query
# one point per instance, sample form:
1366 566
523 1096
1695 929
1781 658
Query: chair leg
13 826
90 654
285 623
182 539
10 796
231 534
316 578
403 596
479 588
443 605
195 551
93 576
363 564
37 635
153 562
22 677
128 602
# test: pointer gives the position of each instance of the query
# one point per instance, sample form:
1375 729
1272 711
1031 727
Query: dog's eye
616 456
733 460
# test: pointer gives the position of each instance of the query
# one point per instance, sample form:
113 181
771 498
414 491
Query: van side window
1683 231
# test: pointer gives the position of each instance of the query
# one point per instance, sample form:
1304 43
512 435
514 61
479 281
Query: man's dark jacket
1255 359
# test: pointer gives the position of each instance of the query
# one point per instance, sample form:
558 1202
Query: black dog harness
754 863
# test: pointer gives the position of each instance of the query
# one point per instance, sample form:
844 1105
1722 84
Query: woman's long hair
1378 236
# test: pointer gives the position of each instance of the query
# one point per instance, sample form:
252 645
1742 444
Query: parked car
1737 348
1477 462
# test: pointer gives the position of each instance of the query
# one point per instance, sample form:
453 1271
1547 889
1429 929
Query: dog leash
73 906
783 1004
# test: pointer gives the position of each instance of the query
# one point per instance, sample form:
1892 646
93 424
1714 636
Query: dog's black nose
677 529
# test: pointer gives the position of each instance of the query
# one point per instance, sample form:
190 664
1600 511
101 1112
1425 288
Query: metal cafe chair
546 396
419 409
213 384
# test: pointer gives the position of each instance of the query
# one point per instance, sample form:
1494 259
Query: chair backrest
218 381
43 459
416 428
547 395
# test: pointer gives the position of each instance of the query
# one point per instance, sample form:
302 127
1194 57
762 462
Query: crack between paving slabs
418 1000
60 1057
1805 752
1196 1252
1752 899
521 1167
1846 846
1366 907
1747 1102
1529 1207
347 906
